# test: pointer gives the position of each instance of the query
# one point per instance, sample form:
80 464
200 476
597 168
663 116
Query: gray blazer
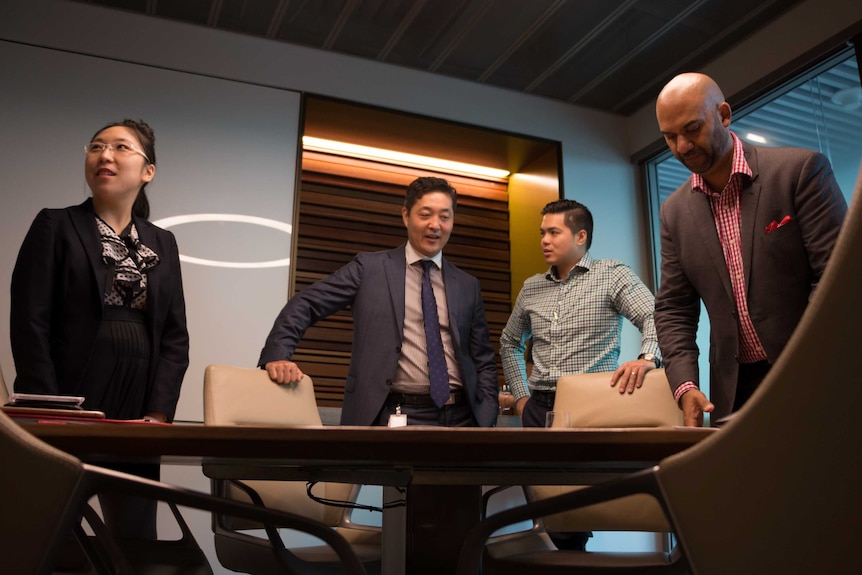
782 266
373 285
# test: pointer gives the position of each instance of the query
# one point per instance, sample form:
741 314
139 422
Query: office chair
45 497
591 402
775 491
242 396
83 555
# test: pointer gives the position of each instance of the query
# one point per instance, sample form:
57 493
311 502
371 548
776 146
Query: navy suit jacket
373 285
782 266
58 288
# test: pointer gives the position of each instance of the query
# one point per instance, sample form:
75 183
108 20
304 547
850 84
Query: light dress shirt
412 373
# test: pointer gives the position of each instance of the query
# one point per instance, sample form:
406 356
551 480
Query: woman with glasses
97 302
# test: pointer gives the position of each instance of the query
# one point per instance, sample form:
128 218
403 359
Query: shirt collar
413 256
585 264
739 166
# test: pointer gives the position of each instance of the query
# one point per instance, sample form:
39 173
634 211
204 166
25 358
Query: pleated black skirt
116 382
116 379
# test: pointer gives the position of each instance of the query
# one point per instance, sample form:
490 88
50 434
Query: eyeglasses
121 148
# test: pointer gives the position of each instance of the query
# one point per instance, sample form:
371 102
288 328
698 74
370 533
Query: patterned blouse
129 261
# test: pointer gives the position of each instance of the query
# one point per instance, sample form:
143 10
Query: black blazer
58 288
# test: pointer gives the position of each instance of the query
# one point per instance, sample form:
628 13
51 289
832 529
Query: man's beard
699 162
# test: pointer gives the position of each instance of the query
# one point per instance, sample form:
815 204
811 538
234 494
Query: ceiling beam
715 38
405 23
522 39
343 17
215 12
594 33
277 19
460 35
649 41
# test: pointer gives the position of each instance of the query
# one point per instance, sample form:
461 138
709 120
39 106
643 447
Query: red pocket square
773 225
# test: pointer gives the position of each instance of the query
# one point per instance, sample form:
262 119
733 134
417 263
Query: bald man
749 234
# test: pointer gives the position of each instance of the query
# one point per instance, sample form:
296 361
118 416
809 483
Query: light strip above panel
402 159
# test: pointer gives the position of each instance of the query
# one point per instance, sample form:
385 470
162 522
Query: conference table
442 469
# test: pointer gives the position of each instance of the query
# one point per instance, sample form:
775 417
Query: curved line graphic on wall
173 221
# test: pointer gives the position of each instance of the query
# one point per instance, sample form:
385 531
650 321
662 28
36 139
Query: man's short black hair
424 185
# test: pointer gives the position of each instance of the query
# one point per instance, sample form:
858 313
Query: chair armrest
536 526
486 497
100 480
641 482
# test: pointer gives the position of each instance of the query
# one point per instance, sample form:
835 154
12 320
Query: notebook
25 412
38 405
41 400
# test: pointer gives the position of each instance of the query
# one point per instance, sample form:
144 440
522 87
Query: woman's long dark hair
145 134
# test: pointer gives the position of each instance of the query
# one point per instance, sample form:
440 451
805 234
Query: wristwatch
651 357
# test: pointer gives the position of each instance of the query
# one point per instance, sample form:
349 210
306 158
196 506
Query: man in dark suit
749 234
389 368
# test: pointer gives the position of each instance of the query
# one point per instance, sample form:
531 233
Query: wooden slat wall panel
348 206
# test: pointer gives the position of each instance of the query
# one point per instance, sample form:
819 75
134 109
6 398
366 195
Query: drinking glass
557 419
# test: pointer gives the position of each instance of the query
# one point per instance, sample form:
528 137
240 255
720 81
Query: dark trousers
748 379
539 404
131 517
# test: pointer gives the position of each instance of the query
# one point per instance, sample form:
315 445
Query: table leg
394 546
438 519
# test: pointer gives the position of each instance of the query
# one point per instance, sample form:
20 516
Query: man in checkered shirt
573 313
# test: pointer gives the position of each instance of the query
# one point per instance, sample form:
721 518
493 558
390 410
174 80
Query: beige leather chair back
246 396
592 402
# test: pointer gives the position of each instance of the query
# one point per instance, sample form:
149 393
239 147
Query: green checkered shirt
575 323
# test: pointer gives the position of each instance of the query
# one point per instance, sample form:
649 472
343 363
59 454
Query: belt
542 397
423 399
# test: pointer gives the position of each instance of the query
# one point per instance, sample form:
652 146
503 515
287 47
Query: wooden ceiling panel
612 55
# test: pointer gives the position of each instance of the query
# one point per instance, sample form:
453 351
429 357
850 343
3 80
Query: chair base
249 554
581 562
